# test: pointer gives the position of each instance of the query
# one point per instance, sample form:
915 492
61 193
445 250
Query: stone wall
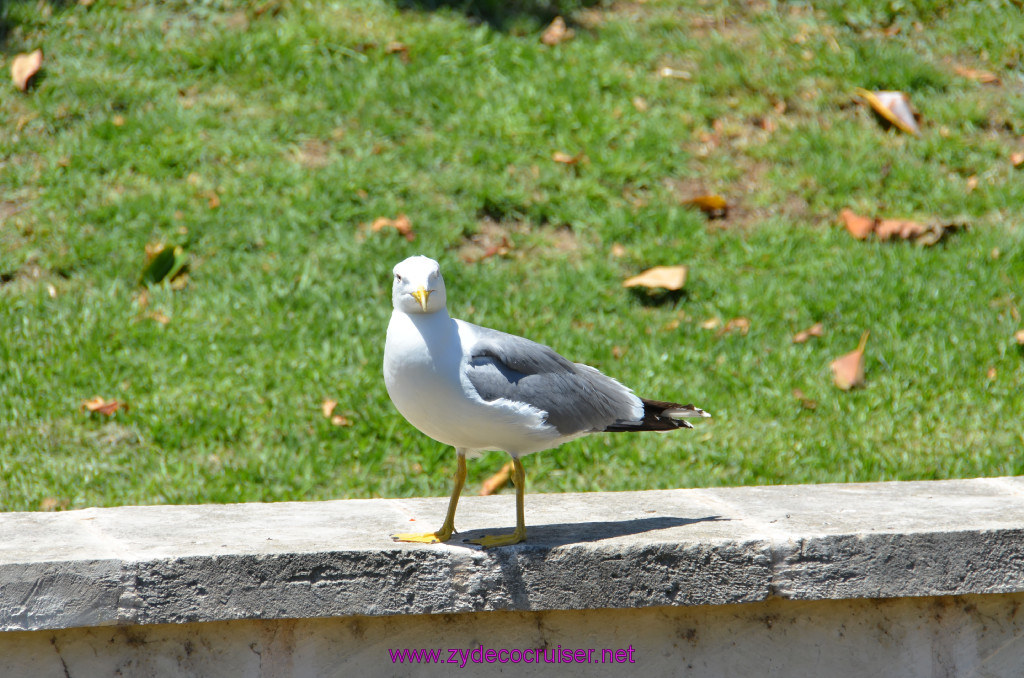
908 579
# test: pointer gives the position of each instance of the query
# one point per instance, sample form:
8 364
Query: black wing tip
660 415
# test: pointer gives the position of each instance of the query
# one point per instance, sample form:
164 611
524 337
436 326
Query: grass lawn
265 138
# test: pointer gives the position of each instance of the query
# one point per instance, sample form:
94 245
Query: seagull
479 389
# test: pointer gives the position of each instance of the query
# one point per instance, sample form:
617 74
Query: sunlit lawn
266 138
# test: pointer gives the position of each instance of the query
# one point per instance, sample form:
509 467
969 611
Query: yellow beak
421 295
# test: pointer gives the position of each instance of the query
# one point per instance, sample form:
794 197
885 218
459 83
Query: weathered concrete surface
180 564
977 636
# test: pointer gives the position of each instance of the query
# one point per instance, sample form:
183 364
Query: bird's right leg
448 528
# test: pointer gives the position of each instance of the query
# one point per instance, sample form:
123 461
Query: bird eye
398 277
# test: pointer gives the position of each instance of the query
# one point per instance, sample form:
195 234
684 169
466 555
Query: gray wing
577 398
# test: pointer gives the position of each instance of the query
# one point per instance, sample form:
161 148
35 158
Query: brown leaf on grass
848 371
496 250
617 250
640 104
399 48
1017 159
497 481
972 182
815 330
904 229
714 206
898 229
556 32
666 277
893 107
400 223
805 402
984 77
741 325
102 406
1019 337
991 373
921 234
566 159
24 67
212 199
491 240
327 407
858 226
160 317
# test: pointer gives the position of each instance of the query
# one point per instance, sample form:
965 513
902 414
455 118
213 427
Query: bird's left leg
448 528
519 478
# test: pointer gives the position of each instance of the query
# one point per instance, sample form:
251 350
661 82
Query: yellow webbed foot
424 537
492 540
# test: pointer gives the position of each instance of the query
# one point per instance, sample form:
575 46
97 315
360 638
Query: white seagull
480 389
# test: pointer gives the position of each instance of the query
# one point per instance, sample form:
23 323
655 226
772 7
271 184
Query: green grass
306 129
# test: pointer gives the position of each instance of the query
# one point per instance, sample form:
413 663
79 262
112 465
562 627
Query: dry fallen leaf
497 481
1019 336
984 77
710 323
858 226
815 330
566 159
556 32
741 325
904 229
400 223
103 406
617 250
848 371
1017 159
24 66
894 107
712 205
922 234
805 402
160 317
640 104
991 374
667 277
327 407
899 228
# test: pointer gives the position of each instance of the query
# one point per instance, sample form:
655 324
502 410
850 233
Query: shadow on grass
502 15
658 297
7 24
559 534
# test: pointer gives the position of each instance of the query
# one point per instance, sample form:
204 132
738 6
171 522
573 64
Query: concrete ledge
181 564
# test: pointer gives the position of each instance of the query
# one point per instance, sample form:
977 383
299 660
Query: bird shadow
501 15
560 534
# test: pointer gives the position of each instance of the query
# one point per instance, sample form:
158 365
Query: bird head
418 286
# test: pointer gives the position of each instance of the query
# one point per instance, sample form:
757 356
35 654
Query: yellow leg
519 478
448 528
